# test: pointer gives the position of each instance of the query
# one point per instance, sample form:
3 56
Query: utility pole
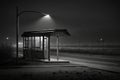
17 33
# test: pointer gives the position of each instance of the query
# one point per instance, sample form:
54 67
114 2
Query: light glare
7 38
47 16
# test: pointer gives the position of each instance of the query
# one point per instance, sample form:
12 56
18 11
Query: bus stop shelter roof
48 32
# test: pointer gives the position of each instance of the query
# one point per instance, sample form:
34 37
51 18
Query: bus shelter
36 44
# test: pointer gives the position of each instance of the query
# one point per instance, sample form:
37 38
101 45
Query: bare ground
55 71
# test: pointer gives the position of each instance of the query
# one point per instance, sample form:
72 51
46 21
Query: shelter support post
57 48
49 48
43 45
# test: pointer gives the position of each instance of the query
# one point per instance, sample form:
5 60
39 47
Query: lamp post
17 26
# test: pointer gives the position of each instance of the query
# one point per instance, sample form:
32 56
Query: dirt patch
57 72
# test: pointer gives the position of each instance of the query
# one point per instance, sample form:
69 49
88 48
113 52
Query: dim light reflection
20 45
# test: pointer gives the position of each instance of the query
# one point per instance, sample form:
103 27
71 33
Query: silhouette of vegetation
6 53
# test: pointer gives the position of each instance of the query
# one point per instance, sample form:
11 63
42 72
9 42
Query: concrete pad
53 60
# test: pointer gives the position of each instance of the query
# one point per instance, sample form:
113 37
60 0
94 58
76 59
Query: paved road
110 63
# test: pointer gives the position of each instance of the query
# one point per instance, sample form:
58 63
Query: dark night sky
84 19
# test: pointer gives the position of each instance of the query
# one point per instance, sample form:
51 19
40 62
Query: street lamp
17 26
47 16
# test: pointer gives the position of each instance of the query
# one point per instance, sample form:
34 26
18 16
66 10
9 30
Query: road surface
109 63
104 62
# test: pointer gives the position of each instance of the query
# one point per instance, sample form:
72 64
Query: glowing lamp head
7 38
47 16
